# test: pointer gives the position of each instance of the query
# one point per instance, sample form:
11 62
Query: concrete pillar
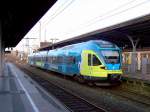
129 62
123 58
139 60
133 58
144 65
149 58
133 62
1 51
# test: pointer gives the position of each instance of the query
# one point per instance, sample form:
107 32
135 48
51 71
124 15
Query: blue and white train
94 61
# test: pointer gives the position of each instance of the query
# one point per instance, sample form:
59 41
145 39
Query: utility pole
40 28
53 41
27 43
45 35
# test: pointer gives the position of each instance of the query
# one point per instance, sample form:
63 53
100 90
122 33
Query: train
94 61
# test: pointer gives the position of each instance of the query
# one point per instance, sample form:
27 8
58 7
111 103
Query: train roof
92 44
88 45
76 49
41 53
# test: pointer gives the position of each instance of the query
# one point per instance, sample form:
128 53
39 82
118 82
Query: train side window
95 61
40 58
70 60
89 60
44 58
50 59
53 59
59 59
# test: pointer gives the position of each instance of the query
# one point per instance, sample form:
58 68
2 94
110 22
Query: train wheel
91 83
75 77
81 79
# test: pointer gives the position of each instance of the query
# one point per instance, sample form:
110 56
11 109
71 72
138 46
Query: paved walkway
17 94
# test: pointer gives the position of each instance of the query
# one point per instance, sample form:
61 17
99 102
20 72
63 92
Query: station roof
138 28
19 16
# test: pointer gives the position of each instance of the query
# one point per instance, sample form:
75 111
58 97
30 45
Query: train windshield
111 56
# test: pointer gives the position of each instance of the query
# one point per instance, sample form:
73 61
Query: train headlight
103 67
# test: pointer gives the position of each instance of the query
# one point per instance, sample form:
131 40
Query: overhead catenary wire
111 11
122 11
93 21
65 5
59 11
105 17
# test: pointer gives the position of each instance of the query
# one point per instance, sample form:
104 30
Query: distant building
45 44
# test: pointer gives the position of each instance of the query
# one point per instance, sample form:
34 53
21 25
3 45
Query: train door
91 65
97 68
85 69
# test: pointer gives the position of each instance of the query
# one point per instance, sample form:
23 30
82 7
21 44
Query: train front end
102 63
112 62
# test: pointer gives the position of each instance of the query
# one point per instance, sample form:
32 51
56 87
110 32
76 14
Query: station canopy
19 16
138 29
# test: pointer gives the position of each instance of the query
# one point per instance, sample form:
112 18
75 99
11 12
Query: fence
137 66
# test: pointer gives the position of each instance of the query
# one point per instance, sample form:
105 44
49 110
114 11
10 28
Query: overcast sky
70 18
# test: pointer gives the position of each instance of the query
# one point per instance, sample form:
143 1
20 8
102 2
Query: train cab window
95 61
89 60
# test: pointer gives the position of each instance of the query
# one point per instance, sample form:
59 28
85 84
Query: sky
71 18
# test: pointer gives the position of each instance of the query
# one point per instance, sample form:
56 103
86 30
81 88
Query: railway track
122 93
130 95
73 102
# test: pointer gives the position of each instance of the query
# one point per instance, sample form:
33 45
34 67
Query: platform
142 75
138 75
18 94
143 79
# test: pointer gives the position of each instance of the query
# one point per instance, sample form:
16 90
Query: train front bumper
114 75
108 75
114 72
